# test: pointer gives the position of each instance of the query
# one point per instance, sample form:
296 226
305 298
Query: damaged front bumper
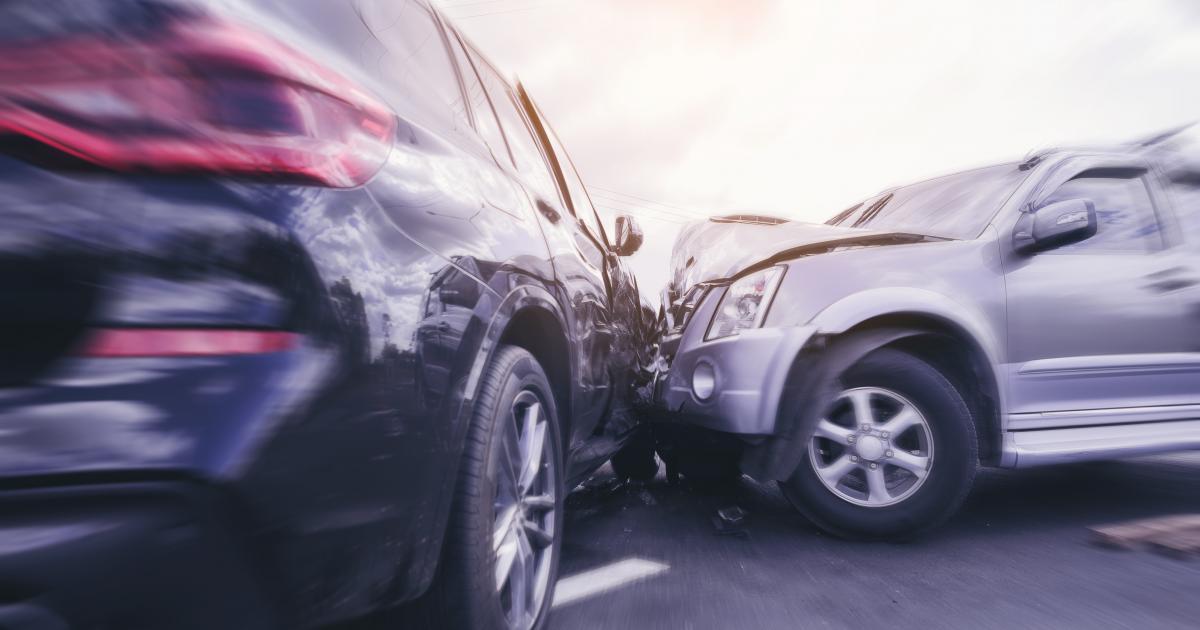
746 373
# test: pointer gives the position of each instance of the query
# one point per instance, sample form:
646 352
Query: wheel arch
537 330
951 349
932 326
528 317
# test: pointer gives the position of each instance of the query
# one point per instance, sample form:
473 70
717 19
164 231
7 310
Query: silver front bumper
750 368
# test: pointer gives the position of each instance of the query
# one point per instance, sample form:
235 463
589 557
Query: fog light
704 381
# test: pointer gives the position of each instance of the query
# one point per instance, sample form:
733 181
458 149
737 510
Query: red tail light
172 342
203 96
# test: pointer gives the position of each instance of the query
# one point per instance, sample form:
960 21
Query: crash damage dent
769 384
748 373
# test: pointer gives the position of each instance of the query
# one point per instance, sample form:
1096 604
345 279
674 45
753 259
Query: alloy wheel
873 448
525 519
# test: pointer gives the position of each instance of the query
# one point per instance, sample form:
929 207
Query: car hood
712 250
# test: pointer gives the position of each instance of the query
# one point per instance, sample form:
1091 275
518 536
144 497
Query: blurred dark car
306 314
1017 315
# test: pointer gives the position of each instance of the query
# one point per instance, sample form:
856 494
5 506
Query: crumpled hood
715 250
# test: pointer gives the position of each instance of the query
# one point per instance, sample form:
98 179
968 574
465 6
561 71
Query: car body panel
338 456
1095 349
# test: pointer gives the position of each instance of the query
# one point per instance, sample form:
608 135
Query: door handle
1171 285
1170 280
548 211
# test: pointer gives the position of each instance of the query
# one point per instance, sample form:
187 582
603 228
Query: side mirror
1055 225
629 236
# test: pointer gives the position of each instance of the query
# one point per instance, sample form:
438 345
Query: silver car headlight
745 303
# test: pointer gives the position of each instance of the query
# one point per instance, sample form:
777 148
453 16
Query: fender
855 309
497 312
814 374
524 296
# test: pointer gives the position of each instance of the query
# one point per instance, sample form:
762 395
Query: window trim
468 50
1141 174
544 132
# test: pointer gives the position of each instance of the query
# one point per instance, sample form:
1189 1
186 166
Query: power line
649 205
647 212
615 194
638 209
647 216
643 199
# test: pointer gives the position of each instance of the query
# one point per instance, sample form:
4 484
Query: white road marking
606 578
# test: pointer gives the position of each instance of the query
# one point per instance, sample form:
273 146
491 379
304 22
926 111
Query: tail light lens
183 342
201 96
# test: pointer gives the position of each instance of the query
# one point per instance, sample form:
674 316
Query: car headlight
745 303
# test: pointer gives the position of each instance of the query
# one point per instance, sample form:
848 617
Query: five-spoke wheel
874 448
500 556
893 455
524 507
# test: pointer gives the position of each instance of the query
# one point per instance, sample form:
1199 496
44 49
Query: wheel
501 552
635 460
894 456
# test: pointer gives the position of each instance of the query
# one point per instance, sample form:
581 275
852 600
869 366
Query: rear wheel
894 455
500 559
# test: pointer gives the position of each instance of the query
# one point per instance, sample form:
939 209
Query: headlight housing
745 303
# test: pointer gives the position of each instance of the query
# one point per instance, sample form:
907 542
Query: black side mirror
629 236
1055 225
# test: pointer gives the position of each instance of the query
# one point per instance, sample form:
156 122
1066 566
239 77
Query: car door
578 261
1183 192
1097 333
627 316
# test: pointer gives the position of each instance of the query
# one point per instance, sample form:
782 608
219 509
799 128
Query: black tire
635 461
950 475
464 594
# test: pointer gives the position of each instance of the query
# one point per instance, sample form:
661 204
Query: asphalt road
1017 556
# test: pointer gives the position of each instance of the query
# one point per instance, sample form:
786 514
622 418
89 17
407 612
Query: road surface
1017 556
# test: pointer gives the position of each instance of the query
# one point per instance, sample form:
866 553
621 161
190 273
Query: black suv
306 314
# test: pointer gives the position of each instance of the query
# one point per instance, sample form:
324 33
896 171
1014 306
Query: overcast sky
800 108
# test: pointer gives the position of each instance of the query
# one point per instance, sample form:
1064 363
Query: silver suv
1016 315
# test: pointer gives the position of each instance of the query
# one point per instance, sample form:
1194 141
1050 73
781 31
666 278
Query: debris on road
1177 536
730 521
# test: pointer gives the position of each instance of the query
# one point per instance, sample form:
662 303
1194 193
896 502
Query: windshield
956 206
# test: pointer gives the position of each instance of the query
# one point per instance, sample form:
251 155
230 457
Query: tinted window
485 117
1124 213
416 56
524 147
955 206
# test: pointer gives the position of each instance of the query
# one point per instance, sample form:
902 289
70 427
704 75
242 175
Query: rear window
956 206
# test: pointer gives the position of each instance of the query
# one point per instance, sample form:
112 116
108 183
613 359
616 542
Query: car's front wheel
894 455
500 559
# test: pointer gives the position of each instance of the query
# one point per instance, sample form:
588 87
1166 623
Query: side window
485 117
525 152
417 58
581 202
1125 214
